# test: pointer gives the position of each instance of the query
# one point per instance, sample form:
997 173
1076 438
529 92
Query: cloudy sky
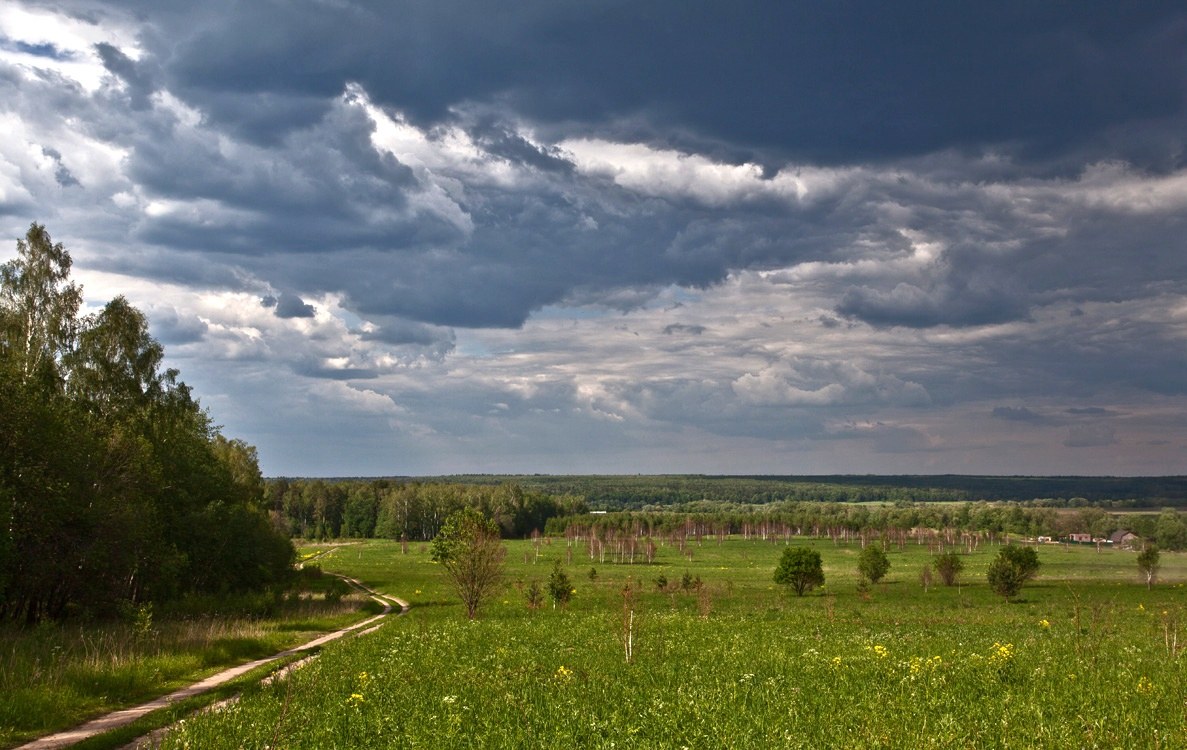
630 236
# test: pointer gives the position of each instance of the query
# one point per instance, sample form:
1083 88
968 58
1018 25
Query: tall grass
56 675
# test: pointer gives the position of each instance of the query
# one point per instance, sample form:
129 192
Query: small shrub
560 590
873 564
1013 567
948 566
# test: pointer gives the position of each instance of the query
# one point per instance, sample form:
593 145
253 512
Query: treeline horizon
638 491
413 510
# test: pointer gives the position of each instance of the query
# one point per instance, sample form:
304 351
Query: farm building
1080 538
1124 538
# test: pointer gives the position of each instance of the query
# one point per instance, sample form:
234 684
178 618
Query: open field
1087 657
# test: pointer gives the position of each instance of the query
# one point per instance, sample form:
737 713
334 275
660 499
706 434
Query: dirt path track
126 716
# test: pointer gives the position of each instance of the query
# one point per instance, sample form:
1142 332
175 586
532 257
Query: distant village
1119 539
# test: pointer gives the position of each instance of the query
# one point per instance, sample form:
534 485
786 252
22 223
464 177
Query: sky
419 238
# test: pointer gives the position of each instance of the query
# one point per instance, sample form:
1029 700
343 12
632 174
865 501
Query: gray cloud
1019 414
172 329
484 228
680 328
292 306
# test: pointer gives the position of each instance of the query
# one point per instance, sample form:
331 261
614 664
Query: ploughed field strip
123 717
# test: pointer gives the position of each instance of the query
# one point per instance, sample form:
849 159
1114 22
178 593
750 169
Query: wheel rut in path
123 717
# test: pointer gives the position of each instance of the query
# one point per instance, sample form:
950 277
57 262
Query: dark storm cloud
138 77
292 306
404 332
304 177
61 172
501 141
828 82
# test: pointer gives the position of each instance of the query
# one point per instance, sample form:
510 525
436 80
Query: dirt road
125 716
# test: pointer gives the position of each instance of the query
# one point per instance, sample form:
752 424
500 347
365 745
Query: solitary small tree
1148 563
534 594
801 569
469 548
872 564
559 587
1013 566
948 566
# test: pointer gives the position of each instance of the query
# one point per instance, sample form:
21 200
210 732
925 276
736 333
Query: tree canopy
468 547
800 568
115 487
1013 567
872 563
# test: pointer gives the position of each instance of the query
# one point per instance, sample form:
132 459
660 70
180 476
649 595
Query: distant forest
645 506
608 492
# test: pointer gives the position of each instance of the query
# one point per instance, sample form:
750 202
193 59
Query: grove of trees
320 509
115 487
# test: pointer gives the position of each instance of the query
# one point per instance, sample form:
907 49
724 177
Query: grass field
1088 657
55 676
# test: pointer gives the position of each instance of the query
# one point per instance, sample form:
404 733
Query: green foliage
1013 567
469 549
38 311
1148 562
560 588
394 509
114 487
1170 531
800 568
872 563
949 566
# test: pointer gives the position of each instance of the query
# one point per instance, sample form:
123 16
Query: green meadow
1085 657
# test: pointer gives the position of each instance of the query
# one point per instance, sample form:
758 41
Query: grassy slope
56 676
